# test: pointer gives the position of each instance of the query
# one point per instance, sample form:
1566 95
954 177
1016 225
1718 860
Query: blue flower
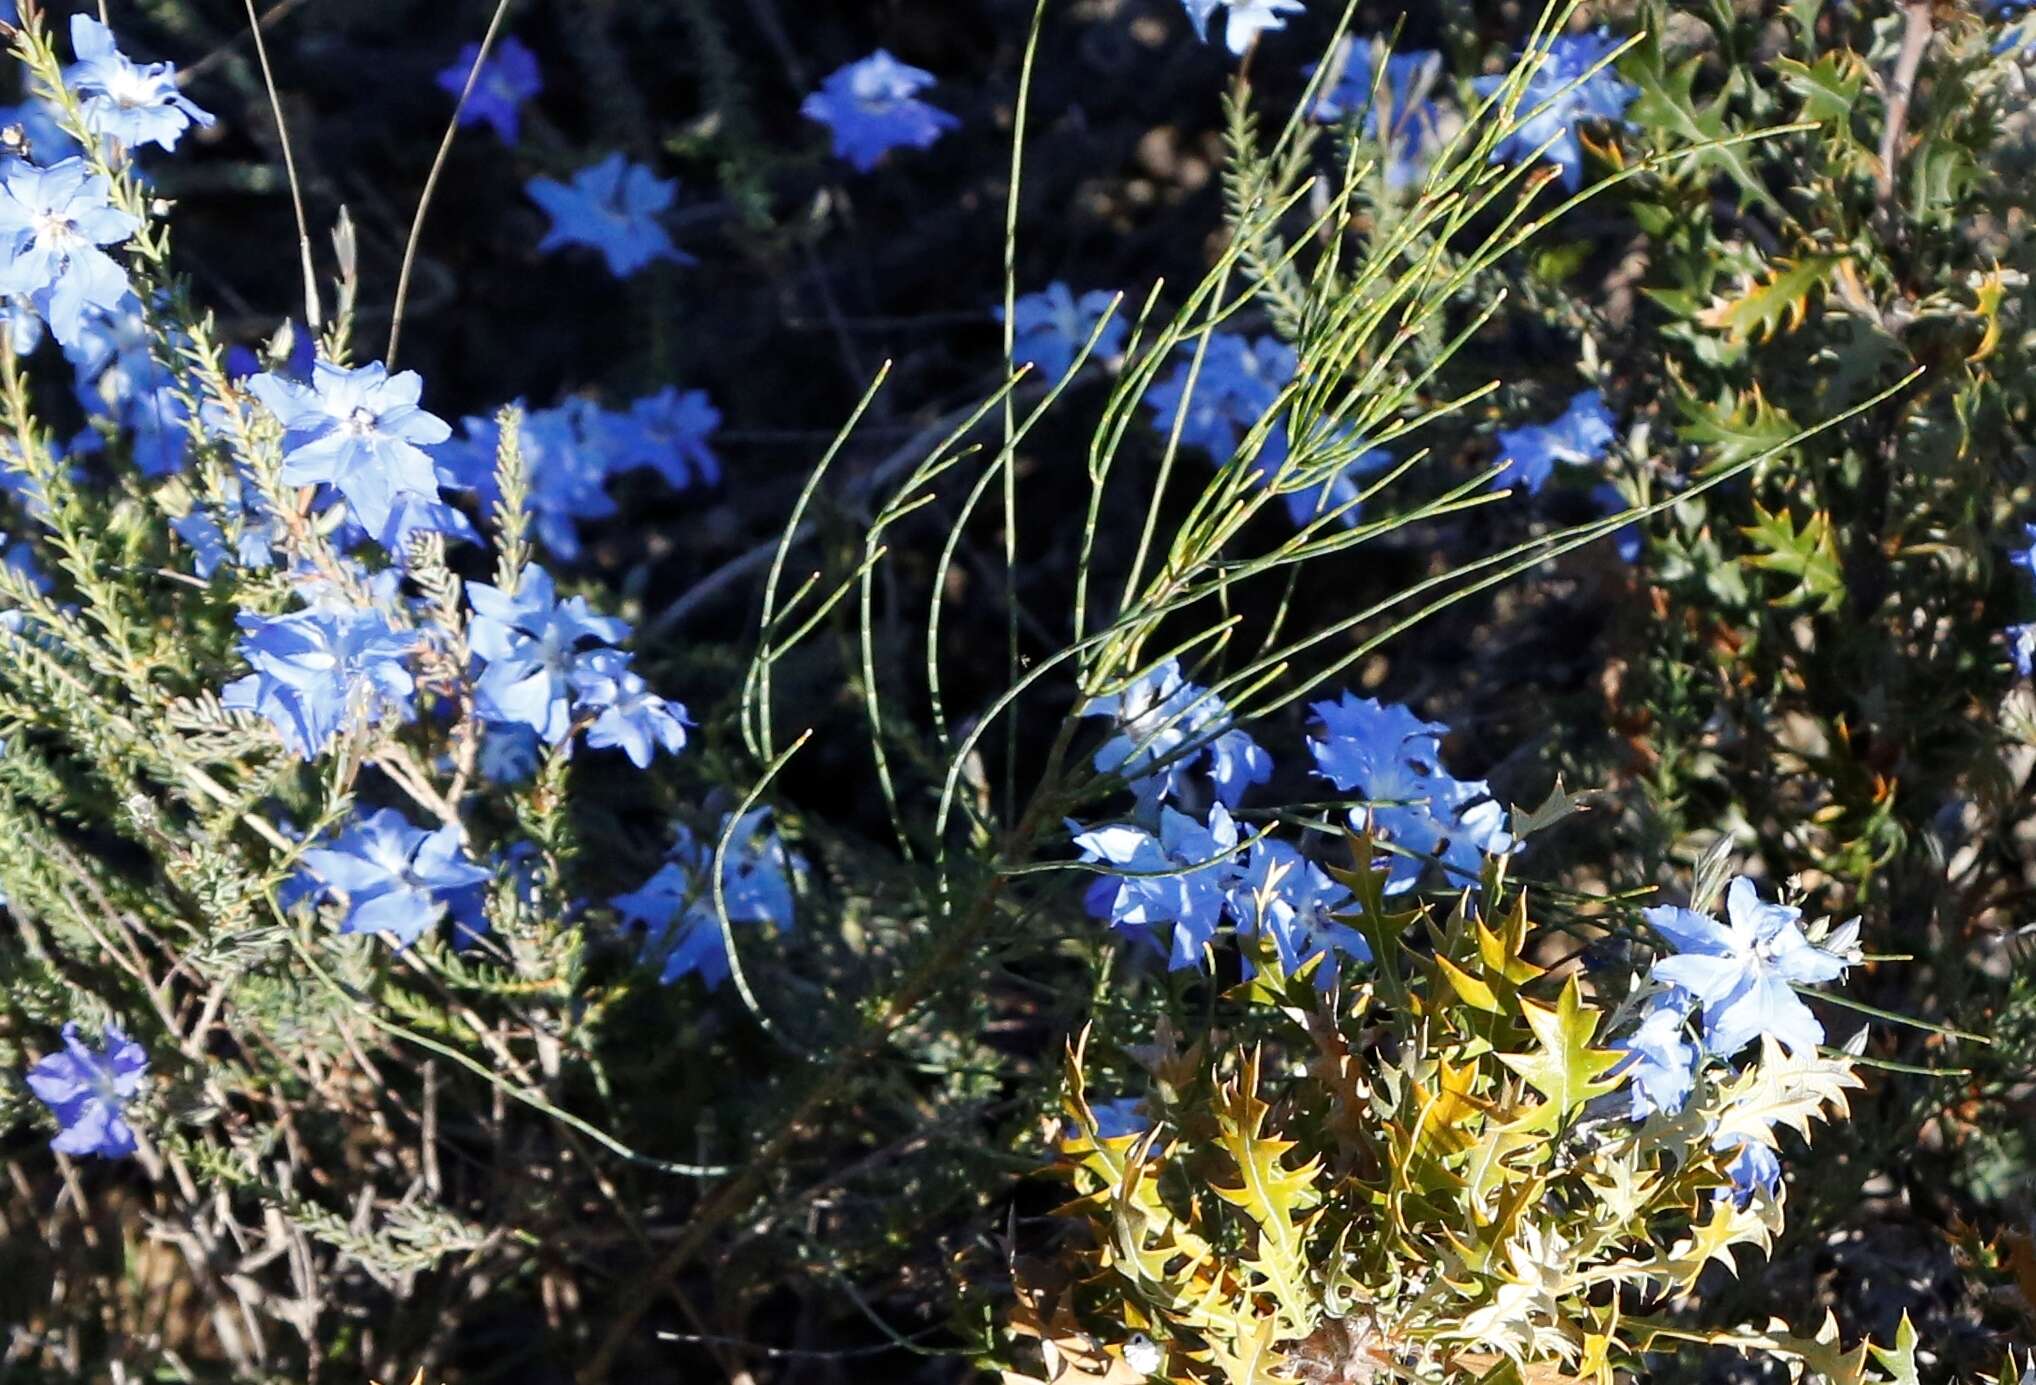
1239 383
1120 1116
1661 1064
1050 327
1581 437
529 644
1744 973
130 103
247 538
359 431
88 1090
1755 1169
1244 20
507 80
397 879
628 714
612 206
1390 757
52 222
1176 879
1291 902
1158 715
324 671
1339 495
2022 648
509 753
668 432
872 107
676 909
1554 103
564 468
1401 120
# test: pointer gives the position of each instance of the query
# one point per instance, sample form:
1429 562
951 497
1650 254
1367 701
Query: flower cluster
1559 97
1736 983
872 106
676 909
323 671
572 451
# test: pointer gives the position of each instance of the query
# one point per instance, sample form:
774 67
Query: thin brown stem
1916 31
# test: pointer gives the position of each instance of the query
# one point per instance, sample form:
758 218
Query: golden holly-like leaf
1042 1312
1566 1070
1773 303
1783 1089
1275 1197
1808 554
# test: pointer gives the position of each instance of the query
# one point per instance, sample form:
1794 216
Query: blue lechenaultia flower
1754 1168
1391 758
1050 327
121 100
507 79
1171 884
1555 102
627 715
44 139
359 430
88 1089
1239 382
1243 20
529 645
612 206
1292 903
397 879
1158 715
676 908
668 432
323 671
53 222
1744 972
1119 1116
1398 114
1580 437
872 106
245 540
1628 540
1661 1062
565 469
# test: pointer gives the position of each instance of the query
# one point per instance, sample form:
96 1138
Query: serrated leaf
1667 104
1736 428
1828 88
1558 805
1272 1195
1770 304
1900 1359
1567 1071
1808 554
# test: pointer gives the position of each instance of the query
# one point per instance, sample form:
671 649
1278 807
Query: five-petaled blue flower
1661 1061
359 431
1398 116
1754 1169
872 107
612 206
52 222
529 645
397 879
1554 102
676 908
1744 972
323 671
1291 901
1175 879
1239 381
668 432
628 715
1243 20
128 102
506 81
1581 437
1051 326
88 1090
564 464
